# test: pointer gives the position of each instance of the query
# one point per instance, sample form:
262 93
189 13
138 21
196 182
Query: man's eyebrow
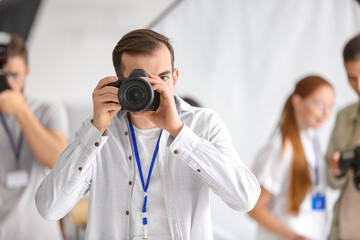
164 73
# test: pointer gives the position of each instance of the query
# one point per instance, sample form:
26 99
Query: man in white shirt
185 151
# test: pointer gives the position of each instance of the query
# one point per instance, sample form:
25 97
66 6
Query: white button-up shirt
199 158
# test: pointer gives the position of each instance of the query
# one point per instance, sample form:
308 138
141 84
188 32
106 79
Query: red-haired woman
291 170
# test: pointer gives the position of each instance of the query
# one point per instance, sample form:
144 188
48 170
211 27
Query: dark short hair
141 41
352 49
18 48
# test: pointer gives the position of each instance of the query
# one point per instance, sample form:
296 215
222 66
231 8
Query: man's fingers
107 89
160 88
108 107
334 163
156 78
158 85
155 81
105 81
336 156
108 97
13 84
111 107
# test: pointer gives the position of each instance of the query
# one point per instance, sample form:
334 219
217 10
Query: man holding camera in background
342 156
32 136
184 150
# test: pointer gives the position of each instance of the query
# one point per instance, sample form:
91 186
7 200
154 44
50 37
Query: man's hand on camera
12 102
334 164
166 116
105 103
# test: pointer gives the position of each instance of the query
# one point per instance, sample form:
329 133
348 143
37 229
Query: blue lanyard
145 187
17 150
316 165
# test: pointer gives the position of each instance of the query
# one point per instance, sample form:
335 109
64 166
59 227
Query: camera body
5 39
351 159
135 93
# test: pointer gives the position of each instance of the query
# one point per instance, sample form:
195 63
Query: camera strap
16 149
144 186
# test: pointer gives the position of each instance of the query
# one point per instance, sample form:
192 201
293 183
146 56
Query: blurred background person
345 137
291 170
32 135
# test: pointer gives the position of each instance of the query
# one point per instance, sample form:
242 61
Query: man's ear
175 75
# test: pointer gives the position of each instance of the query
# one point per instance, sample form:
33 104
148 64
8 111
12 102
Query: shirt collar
182 106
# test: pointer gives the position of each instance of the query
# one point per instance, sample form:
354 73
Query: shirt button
130 157
97 144
130 183
80 168
176 151
127 212
198 170
126 133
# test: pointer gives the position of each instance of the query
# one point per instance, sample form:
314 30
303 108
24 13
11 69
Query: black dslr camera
136 94
4 54
351 159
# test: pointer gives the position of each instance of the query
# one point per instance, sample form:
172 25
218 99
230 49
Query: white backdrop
238 57
242 58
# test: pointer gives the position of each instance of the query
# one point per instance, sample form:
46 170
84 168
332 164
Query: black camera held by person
135 93
4 54
351 159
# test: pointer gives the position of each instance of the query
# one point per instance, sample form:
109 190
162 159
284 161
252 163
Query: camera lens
136 95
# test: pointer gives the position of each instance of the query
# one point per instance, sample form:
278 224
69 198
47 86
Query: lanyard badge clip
145 232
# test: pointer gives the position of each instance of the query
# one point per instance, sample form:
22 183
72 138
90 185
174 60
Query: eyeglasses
320 105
